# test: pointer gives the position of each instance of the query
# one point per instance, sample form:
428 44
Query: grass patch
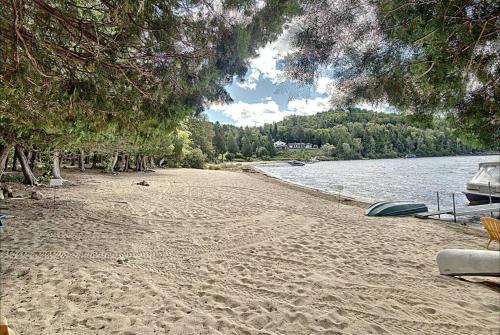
12 177
224 166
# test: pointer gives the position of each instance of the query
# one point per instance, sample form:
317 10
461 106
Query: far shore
283 160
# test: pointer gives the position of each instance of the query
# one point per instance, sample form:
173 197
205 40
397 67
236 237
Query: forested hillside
354 134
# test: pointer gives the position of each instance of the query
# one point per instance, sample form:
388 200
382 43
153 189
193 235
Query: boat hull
296 163
480 198
461 262
395 208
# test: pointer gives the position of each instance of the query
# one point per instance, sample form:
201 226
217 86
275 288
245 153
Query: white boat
485 183
463 262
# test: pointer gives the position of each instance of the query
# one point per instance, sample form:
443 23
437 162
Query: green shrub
262 151
195 159
12 177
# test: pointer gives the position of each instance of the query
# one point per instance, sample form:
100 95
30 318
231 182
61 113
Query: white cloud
308 106
266 63
245 114
251 85
268 111
324 85
250 80
383 107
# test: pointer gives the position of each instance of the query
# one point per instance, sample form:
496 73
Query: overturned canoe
463 262
385 208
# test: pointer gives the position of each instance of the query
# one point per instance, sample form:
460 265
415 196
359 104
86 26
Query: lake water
416 179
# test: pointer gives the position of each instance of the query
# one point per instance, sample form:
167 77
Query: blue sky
266 96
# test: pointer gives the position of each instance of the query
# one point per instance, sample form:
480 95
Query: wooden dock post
454 210
437 194
489 192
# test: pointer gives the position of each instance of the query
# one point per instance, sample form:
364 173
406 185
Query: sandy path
219 252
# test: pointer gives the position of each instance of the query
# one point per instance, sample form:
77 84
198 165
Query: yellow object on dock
492 226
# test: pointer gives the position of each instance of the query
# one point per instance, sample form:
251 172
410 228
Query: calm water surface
416 179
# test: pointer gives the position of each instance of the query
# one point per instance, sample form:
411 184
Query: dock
461 211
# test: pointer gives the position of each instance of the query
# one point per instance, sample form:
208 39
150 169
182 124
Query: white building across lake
280 145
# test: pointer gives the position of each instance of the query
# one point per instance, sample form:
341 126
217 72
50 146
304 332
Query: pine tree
246 149
232 146
219 140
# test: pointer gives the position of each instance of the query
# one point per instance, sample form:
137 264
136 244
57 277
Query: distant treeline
353 134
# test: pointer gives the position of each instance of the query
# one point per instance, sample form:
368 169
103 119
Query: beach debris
122 260
55 182
1 196
22 273
7 191
143 183
248 169
35 195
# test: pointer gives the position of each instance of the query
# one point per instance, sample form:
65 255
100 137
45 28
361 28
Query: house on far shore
300 145
279 145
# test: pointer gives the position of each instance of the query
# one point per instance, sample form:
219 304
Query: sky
265 96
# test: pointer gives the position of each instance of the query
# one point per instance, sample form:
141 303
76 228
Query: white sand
220 252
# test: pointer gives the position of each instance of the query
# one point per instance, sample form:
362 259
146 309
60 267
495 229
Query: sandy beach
228 252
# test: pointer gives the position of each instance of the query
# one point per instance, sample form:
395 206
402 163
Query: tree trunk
120 162
14 161
29 177
6 165
27 153
55 167
94 160
139 163
115 160
81 162
129 167
32 159
4 154
125 163
152 162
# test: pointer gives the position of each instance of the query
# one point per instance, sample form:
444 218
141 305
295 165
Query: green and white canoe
386 208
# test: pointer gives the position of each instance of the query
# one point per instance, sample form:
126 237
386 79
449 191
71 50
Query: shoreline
347 200
466 226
